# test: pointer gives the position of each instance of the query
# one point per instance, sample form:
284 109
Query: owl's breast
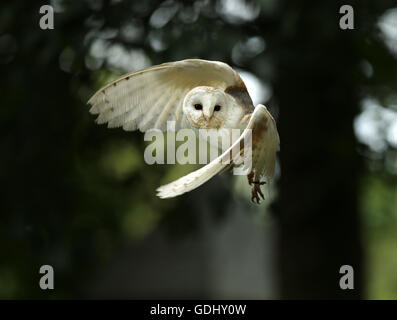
220 139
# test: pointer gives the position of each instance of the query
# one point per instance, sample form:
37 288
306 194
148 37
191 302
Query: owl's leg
256 188
250 177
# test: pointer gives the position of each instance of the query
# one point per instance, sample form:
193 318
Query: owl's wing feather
265 144
149 98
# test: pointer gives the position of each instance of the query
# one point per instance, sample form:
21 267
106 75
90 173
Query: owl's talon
254 197
251 180
256 192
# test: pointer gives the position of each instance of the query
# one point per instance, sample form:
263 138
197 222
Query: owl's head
210 108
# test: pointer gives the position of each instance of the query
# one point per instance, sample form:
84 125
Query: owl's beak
207 116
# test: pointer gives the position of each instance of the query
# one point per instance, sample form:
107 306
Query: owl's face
209 108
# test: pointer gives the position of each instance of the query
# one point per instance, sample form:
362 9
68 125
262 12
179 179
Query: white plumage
196 94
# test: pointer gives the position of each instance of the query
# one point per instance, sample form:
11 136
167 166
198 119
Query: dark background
80 198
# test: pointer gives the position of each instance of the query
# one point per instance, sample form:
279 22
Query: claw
256 188
254 197
256 191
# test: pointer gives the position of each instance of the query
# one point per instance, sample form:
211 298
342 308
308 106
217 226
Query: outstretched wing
149 98
265 144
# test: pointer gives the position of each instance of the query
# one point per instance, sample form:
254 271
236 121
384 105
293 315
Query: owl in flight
196 94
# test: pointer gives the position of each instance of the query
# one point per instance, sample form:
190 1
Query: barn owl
196 94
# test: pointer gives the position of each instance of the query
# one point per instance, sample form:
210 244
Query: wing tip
93 109
164 192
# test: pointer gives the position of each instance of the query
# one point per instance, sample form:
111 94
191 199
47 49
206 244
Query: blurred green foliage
379 206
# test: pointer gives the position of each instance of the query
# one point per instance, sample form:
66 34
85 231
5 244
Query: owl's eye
198 106
217 108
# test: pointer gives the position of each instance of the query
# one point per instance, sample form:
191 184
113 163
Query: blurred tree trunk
316 88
